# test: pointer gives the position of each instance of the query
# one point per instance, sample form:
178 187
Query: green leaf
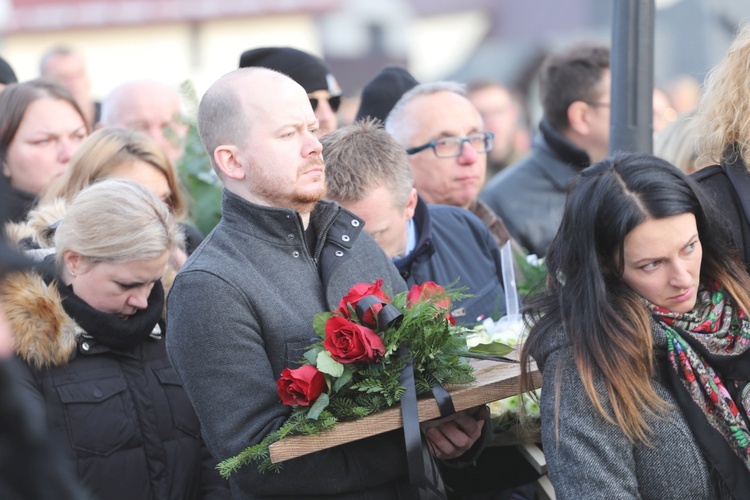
344 378
311 356
319 323
318 406
495 348
328 365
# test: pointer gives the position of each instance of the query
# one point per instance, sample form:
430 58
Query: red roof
53 15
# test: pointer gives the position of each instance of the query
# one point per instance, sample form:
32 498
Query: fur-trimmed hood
37 231
44 334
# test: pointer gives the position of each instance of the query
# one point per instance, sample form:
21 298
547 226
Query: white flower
479 336
533 259
507 330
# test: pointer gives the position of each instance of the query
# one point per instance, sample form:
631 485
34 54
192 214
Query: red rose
425 292
350 343
355 295
301 386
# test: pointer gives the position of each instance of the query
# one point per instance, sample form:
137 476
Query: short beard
272 190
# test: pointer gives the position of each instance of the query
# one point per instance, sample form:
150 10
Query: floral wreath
373 352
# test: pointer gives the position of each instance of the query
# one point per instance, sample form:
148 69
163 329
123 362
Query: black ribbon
390 317
410 417
442 398
387 317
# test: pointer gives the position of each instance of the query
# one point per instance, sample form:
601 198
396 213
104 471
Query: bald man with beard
241 308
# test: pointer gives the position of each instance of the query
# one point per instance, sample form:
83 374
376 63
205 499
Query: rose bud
301 386
356 293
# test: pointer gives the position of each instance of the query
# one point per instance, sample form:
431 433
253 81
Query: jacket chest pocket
183 415
98 414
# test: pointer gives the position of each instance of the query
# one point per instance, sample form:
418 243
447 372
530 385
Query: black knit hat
383 92
306 69
7 75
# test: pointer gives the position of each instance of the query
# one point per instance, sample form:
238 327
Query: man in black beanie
383 92
310 72
7 75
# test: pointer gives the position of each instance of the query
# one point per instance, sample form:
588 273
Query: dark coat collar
564 150
424 247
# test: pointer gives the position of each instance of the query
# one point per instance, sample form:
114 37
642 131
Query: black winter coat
121 415
728 185
529 196
455 247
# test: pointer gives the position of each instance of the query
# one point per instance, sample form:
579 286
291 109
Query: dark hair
570 76
604 320
15 100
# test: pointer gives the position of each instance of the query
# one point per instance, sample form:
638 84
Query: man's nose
468 155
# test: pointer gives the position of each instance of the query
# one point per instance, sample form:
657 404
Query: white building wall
169 53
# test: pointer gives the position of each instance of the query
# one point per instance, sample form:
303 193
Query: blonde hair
724 107
679 144
115 221
108 149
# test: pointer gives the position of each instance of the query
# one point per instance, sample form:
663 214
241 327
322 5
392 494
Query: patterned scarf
705 348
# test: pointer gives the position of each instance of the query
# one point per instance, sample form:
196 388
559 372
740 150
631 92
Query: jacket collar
335 227
565 151
273 224
424 248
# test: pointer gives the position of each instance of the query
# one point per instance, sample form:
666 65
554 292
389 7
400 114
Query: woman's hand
452 436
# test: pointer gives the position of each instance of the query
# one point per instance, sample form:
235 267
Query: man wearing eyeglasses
447 145
310 72
574 132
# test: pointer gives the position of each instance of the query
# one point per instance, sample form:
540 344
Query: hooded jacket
120 415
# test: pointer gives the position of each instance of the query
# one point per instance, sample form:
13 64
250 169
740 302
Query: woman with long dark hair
643 338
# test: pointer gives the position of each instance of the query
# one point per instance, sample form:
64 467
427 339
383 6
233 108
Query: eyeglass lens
333 101
451 146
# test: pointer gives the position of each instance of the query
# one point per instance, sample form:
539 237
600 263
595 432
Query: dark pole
631 127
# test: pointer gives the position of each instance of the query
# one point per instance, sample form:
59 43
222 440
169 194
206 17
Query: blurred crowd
139 350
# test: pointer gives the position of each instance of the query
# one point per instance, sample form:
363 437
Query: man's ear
411 205
226 160
578 117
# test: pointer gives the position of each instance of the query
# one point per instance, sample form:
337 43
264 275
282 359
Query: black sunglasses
333 101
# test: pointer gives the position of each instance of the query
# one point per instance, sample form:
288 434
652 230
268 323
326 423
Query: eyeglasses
598 104
334 101
450 147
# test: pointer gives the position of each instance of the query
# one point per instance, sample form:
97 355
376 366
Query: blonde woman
724 128
90 334
120 153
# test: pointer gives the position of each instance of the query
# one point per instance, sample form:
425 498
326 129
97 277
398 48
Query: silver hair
396 123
